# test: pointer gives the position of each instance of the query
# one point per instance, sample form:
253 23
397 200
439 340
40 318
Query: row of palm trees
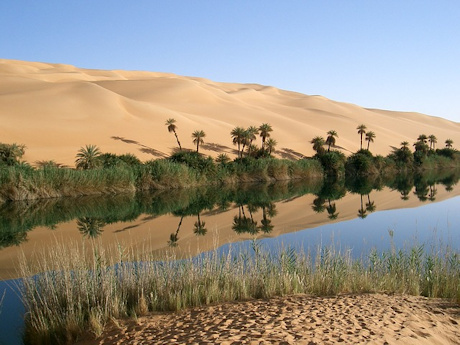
245 138
420 145
319 142
370 136
241 137
422 142
87 158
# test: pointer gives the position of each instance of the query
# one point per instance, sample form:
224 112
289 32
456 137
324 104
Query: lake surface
355 215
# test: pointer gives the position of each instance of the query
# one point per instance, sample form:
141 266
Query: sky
393 54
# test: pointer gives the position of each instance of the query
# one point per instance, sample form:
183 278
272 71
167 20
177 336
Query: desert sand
300 319
56 109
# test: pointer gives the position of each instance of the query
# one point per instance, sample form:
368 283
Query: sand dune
55 109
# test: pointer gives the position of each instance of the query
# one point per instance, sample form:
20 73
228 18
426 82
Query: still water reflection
200 219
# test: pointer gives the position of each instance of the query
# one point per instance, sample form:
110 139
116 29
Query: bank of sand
56 109
300 319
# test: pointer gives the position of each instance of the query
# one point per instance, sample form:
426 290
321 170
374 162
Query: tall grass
25 183
83 288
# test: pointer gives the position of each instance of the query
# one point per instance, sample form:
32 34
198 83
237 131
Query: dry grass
83 288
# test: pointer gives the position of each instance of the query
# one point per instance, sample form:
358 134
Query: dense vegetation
106 173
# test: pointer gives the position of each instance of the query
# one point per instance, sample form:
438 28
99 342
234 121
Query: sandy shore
300 319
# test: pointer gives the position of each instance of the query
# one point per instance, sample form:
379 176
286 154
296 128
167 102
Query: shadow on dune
153 152
144 148
215 147
289 154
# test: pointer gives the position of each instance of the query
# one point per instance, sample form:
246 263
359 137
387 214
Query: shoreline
296 319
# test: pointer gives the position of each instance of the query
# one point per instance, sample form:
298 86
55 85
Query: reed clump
83 288
26 183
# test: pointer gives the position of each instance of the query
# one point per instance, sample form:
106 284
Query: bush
10 154
361 163
109 160
447 152
197 161
402 157
333 162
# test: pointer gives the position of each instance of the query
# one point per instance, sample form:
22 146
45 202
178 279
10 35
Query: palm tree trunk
178 142
368 143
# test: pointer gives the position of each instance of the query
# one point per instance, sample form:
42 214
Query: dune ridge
55 109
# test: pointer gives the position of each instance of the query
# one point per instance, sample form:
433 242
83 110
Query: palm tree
422 137
318 143
87 157
237 134
361 130
449 143
198 138
248 137
245 141
433 140
172 128
270 145
330 140
370 138
252 132
404 145
420 145
265 130
199 227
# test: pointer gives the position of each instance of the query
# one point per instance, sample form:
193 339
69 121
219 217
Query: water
354 215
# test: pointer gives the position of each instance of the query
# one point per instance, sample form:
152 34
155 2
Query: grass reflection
93 213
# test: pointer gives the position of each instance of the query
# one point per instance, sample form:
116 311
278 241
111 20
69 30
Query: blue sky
397 55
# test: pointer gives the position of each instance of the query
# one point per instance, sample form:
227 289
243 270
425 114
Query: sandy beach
300 319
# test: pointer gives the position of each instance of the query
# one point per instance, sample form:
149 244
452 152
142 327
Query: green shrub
333 162
200 163
10 154
361 163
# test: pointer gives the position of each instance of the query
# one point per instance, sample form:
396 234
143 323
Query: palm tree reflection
331 210
174 237
362 211
199 227
90 227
